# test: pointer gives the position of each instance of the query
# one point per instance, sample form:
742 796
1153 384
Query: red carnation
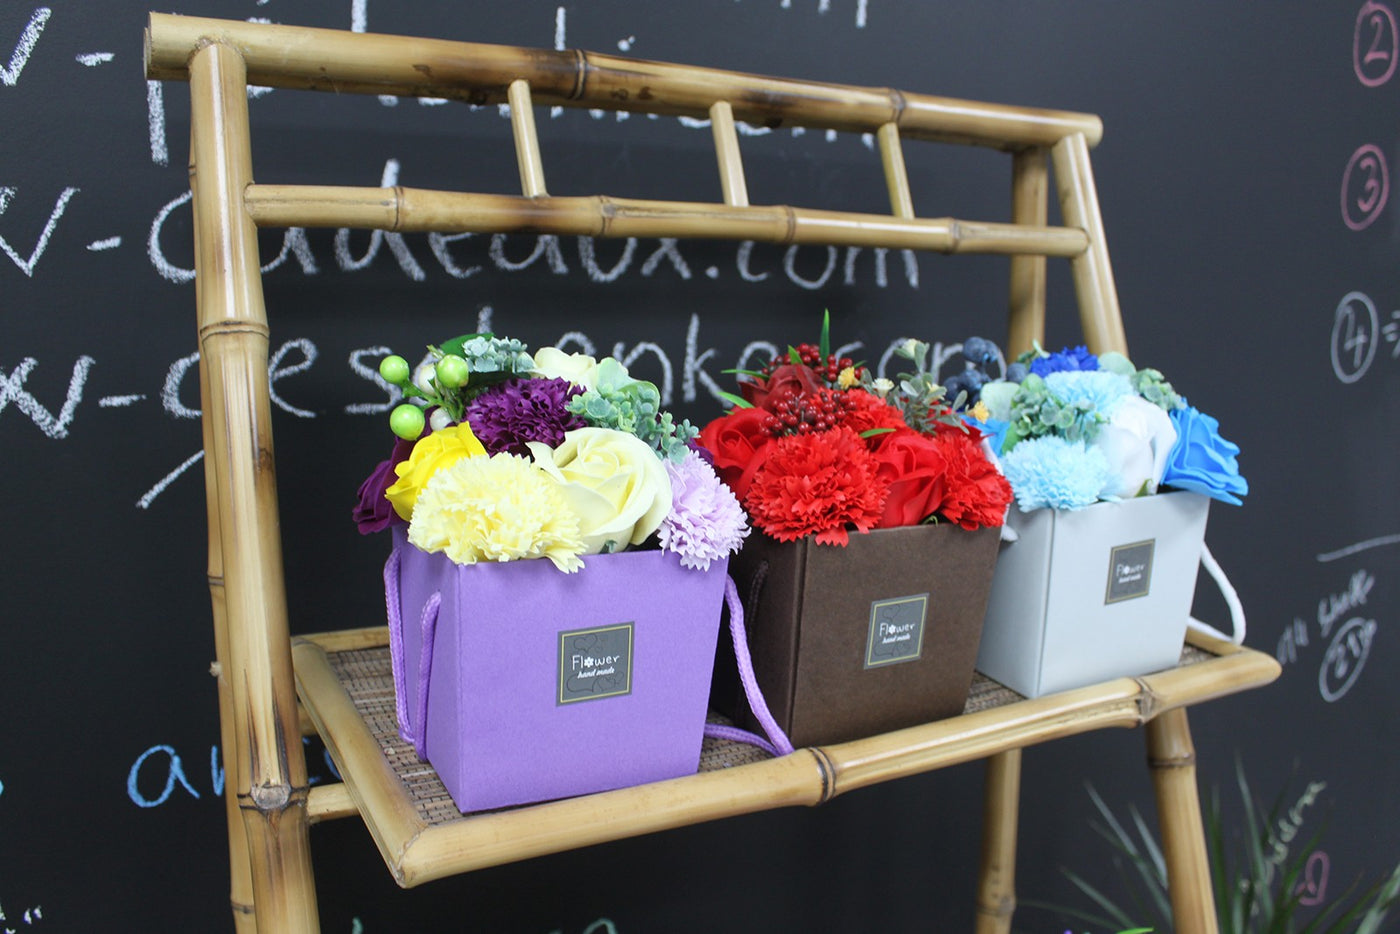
817 484
740 443
976 495
914 469
870 412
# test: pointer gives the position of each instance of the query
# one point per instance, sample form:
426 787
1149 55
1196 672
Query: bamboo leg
1030 203
996 891
1172 759
240 871
1093 274
265 762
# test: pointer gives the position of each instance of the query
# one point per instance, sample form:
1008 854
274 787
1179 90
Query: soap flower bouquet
815 445
504 455
1074 428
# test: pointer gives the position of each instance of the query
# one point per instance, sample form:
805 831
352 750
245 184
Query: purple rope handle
428 626
777 743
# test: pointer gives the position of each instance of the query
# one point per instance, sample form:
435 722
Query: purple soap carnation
510 414
373 512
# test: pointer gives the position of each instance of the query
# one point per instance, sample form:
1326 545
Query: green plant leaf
794 357
455 345
824 345
872 432
739 402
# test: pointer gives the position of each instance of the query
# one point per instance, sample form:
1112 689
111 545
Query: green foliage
1036 411
633 406
919 397
1256 884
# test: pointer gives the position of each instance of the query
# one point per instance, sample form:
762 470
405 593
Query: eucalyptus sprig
634 406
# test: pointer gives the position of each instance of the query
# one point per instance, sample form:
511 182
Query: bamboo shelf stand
273 688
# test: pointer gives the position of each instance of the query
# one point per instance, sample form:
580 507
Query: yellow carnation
498 508
431 454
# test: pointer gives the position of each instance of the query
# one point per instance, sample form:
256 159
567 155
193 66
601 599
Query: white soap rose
613 480
1136 442
579 369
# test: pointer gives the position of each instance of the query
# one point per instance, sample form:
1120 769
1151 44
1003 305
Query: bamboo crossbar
418 210
477 73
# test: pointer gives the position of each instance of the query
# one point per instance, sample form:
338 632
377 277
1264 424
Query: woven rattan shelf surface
346 686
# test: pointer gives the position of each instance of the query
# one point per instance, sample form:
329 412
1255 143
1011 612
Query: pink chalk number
1373 47
1365 187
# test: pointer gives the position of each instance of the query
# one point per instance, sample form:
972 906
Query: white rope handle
1232 600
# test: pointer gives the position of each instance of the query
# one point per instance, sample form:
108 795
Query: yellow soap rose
579 369
614 481
429 455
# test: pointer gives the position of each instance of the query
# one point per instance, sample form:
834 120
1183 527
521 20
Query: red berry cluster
827 369
804 414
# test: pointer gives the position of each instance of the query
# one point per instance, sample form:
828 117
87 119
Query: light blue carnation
1101 389
1050 471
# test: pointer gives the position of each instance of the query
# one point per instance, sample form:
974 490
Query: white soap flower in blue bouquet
1072 429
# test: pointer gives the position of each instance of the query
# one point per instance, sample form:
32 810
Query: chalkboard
1246 183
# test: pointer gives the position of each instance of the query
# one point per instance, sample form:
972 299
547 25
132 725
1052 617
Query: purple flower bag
520 683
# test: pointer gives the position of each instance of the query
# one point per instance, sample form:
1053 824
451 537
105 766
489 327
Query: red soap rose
787 381
914 467
740 444
976 495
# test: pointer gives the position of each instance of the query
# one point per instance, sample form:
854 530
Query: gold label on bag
1129 571
595 663
896 630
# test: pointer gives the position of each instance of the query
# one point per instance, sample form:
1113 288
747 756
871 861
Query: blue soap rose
1202 461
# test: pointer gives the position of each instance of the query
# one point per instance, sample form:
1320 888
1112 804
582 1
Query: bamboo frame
268 772
416 851
268 800
370 63
731 163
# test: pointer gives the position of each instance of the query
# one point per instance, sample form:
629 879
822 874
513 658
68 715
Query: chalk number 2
1373 48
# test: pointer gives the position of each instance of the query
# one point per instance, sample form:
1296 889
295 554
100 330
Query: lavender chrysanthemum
1070 359
706 522
1101 389
1050 471
509 415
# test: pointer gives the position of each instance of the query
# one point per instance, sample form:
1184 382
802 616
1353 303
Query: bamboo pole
417 210
896 177
1172 759
1029 205
1093 273
240 869
996 893
731 163
527 141
369 63
268 767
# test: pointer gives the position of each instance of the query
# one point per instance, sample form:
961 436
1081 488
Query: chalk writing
1281 835
1345 657
54 426
601 926
150 762
1350 644
1365 187
1359 547
1312 888
30 917
9 75
27 265
93 59
1354 330
110 243
1373 47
